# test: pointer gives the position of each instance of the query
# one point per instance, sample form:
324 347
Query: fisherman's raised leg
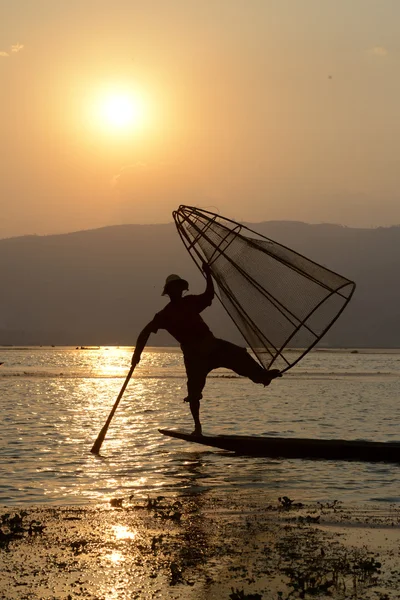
241 362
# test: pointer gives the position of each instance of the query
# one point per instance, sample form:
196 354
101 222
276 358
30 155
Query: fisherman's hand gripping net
277 298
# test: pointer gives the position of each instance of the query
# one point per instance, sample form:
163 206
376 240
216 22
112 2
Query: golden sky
117 112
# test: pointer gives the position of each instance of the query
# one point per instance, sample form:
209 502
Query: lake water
55 401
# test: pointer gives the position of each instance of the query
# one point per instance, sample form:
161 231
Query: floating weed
330 505
79 547
286 503
366 569
309 519
154 503
116 502
172 511
314 570
13 528
188 541
35 527
176 574
241 595
155 542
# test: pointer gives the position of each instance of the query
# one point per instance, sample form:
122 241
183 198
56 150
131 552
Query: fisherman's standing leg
196 372
236 358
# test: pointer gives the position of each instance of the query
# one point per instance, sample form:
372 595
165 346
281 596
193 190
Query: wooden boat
278 447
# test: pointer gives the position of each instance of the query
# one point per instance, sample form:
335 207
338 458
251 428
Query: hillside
101 286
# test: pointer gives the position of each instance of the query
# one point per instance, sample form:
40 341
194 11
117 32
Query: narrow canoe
278 447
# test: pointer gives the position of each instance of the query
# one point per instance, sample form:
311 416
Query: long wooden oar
100 438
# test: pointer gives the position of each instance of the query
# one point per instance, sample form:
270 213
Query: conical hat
173 279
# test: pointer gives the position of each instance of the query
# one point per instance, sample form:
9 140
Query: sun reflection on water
122 532
115 557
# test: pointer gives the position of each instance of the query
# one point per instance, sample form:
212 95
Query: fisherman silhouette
202 352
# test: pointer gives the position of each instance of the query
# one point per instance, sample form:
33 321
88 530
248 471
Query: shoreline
201 546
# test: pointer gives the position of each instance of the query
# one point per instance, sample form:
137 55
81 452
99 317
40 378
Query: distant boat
88 348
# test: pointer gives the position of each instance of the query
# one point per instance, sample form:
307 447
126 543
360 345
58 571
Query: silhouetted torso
181 318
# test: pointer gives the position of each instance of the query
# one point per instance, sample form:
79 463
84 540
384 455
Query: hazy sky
118 111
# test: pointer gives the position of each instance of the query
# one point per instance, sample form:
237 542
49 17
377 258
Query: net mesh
281 302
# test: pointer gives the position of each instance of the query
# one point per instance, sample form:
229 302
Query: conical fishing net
281 302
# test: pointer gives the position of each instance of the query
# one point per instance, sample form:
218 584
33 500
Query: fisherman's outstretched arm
141 342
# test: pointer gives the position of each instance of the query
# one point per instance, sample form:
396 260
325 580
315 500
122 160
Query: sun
120 111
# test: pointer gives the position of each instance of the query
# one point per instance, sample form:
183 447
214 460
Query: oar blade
99 442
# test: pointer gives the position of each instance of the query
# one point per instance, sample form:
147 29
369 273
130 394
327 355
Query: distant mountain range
100 287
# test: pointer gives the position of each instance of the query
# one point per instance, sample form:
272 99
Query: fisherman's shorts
216 354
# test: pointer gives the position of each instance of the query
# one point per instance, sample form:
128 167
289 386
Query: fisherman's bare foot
270 375
197 431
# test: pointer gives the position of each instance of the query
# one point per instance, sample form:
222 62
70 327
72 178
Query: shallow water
55 401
